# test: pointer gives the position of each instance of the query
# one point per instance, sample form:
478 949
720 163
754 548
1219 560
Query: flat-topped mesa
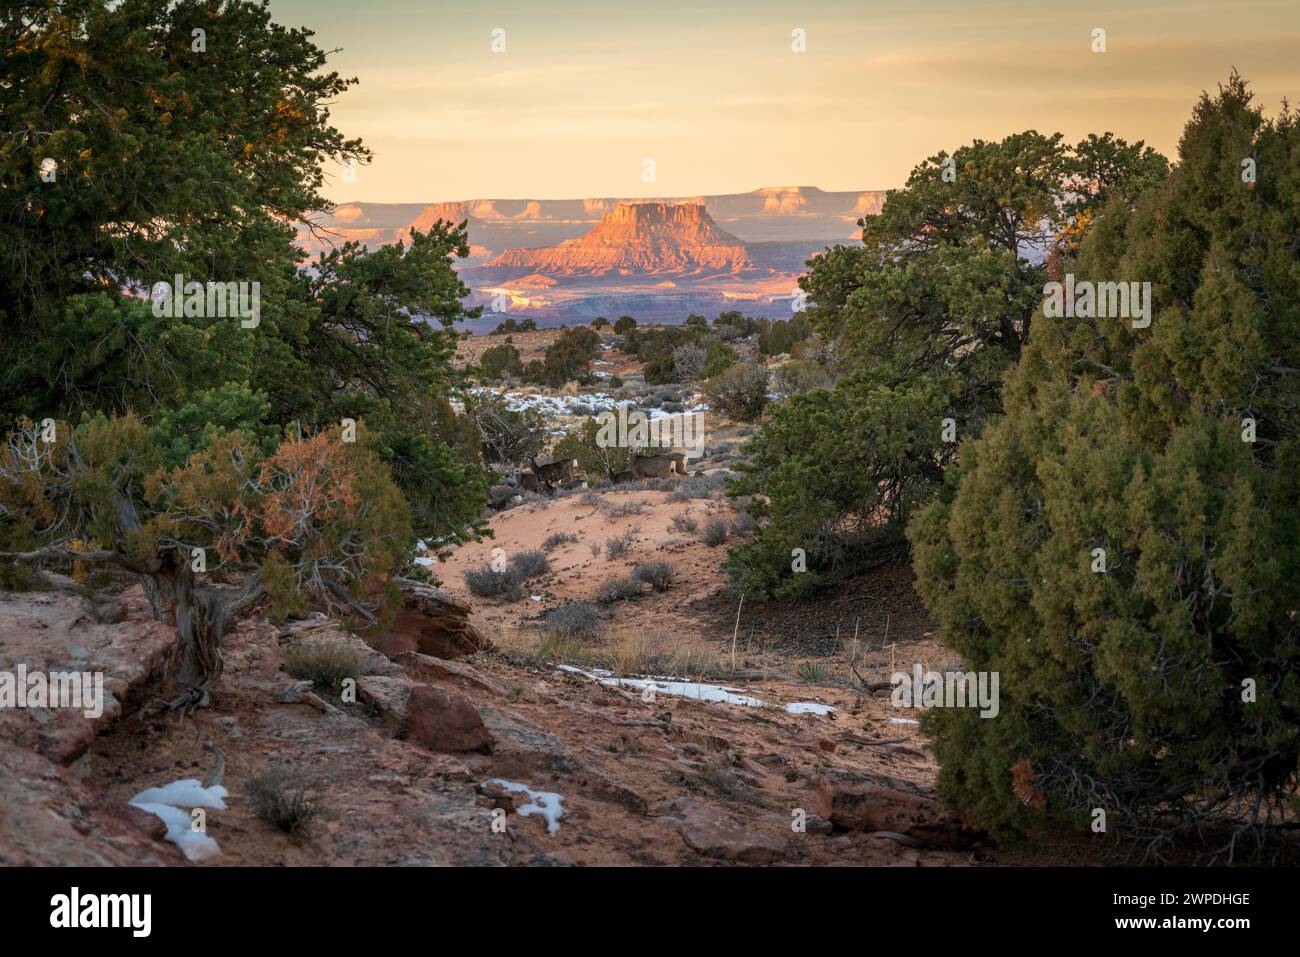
653 214
640 238
454 213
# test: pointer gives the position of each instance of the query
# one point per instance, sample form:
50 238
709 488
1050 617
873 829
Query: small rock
708 831
863 801
444 720
428 668
389 696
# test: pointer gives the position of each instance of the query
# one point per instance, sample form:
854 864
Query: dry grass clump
622 509
325 662
556 539
486 582
658 575
283 798
619 589
630 651
577 619
696 487
683 523
532 563
620 546
715 533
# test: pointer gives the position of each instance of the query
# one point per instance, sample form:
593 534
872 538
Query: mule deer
655 466
556 473
679 461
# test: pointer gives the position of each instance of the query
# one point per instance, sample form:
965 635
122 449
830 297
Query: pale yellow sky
585 92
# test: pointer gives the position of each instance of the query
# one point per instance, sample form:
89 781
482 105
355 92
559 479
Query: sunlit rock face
658 238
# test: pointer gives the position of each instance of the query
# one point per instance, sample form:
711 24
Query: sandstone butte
661 238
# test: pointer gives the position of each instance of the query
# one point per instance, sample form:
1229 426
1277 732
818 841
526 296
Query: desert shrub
682 522
799 375
486 582
780 337
510 437
620 546
742 324
718 358
576 619
740 393
658 575
556 539
501 361
326 663
619 589
689 360
812 672
695 487
673 407
284 799
715 533
1119 548
660 370
515 325
568 358
742 524
615 510
529 564
624 325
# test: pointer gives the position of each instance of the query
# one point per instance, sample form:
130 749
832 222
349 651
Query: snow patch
172 803
546 803
565 404
809 707
697 690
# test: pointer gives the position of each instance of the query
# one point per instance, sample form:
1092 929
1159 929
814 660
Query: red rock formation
445 721
451 212
433 623
639 238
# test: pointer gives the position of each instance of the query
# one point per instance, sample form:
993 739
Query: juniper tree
213 148
929 314
1123 546
316 521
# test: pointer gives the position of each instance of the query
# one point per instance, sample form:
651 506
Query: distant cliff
641 238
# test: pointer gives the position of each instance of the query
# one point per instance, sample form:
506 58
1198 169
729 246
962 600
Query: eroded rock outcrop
865 801
639 238
62 631
433 623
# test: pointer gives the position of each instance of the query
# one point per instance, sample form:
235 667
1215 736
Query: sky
584 93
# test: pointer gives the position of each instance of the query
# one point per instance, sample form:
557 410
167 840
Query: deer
654 466
556 473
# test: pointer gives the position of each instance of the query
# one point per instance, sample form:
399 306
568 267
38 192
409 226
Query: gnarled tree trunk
202 614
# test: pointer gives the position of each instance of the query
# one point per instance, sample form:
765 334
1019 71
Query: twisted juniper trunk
202 614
